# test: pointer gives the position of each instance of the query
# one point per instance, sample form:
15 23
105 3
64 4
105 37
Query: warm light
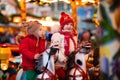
45 22
4 66
26 0
49 23
66 1
86 1
77 3
49 1
5 53
2 30
23 9
48 19
17 19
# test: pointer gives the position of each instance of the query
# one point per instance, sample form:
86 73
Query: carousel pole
74 5
23 15
74 11
23 9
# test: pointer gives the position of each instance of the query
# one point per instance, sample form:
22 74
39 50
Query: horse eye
79 62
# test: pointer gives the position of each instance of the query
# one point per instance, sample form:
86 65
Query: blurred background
100 18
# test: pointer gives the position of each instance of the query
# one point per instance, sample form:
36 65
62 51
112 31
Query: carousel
81 64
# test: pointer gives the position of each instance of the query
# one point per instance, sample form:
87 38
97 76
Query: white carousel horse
77 60
76 66
80 59
19 74
49 73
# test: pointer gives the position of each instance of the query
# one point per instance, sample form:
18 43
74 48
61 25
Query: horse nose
79 62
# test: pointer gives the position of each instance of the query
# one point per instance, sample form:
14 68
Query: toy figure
68 44
31 47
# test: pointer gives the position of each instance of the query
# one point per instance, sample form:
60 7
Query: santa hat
65 19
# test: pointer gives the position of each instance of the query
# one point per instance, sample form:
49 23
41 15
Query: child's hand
65 60
37 56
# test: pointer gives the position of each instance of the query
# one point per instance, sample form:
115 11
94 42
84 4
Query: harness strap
83 74
45 68
51 76
75 76
47 71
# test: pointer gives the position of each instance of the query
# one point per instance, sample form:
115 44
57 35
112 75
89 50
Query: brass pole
23 9
74 5
74 11
23 14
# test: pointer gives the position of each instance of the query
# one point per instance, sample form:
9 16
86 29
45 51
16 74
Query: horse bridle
81 71
45 68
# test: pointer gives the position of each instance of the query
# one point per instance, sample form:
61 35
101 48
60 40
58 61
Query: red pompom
62 13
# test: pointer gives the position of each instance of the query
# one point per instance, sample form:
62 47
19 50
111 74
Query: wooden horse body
49 73
76 66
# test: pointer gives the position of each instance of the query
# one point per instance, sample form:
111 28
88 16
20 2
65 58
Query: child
85 43
31 48
68 31
69 41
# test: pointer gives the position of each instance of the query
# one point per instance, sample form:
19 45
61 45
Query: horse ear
79 62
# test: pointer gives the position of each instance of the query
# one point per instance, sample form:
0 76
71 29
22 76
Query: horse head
76 66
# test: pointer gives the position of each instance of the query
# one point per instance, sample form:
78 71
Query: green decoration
106 25
4 77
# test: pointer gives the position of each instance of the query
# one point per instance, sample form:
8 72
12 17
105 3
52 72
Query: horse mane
70 63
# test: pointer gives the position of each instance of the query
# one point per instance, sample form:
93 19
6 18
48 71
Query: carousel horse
76 66
45 67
